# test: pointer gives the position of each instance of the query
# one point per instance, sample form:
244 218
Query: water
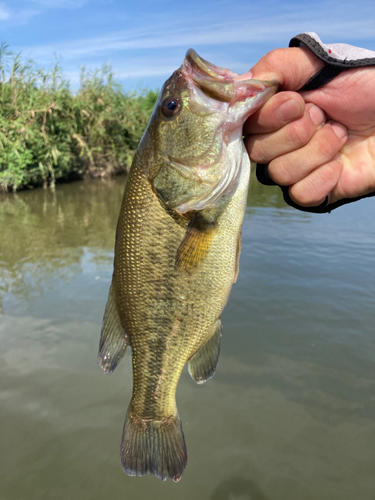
290 414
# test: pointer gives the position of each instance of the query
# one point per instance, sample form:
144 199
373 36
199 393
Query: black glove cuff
264 178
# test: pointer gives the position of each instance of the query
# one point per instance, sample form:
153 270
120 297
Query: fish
178 243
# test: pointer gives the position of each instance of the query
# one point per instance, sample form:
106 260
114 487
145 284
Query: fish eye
171 106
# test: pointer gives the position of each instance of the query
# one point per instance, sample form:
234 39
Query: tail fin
155 447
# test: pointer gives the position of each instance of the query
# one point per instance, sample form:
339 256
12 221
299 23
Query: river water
290 413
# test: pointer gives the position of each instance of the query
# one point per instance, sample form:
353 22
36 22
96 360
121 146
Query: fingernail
289 110
317 115
339 129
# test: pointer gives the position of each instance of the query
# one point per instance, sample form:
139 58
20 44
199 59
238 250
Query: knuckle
304 196
281 171
327 143
300 133
257 149
272 58
312 190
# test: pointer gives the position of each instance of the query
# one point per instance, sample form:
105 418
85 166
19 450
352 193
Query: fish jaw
243 97
214 94
247 97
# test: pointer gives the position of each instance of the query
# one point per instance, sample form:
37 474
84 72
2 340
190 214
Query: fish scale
174 267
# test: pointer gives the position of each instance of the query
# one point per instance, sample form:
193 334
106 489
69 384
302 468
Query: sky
145 41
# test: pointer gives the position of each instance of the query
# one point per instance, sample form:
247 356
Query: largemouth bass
177 250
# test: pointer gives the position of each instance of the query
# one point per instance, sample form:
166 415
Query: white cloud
156 47
267 30
5 13
132 72
67 4
13 17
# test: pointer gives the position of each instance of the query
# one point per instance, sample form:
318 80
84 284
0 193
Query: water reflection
45 234
289 415
238 488
264 196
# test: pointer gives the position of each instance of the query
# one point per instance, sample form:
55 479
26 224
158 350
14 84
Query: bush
49 134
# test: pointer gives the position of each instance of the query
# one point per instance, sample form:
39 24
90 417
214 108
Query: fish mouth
220 83
215 94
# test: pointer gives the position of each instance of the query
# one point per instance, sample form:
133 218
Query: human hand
321 142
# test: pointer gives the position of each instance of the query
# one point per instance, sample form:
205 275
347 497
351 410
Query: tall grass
49 134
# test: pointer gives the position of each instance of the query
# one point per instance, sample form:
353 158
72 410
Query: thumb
291 67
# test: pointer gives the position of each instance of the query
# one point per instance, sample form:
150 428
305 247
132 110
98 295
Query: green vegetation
49 134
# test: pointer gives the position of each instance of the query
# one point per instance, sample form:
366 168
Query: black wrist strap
332 68
325 75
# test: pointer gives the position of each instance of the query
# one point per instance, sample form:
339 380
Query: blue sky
146 40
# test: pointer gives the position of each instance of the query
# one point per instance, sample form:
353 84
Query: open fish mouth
220 83
216 103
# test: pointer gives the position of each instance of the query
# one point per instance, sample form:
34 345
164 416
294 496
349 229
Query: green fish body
177 252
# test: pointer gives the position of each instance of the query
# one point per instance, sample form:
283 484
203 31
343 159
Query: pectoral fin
196 243
202 365
113 339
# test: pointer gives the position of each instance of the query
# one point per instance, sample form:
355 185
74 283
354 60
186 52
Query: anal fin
202 365
113 339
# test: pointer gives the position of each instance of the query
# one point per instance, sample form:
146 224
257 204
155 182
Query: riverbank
49 134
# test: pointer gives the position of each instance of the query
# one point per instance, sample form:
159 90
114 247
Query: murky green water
290 414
